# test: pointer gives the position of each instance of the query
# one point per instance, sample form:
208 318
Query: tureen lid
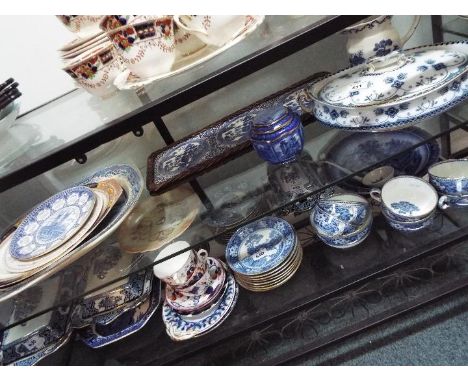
398 77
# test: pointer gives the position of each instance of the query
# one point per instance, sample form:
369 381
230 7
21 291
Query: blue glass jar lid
271 116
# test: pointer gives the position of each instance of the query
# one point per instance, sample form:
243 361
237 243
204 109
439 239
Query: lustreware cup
184 269
147 46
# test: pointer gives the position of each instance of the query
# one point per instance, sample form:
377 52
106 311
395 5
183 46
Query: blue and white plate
180 328
360 150
52 223
260 246
131 181
140 316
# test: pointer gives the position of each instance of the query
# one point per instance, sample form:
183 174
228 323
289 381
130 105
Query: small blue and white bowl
450 178
409 226
348 241
406 198
277 135
331 236
350 208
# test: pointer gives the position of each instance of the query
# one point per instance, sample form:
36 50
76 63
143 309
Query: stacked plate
264 254
66 226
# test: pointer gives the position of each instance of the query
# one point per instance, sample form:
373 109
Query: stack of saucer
264 254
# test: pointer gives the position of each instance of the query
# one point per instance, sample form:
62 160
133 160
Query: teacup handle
376 194
443 202
411 30
181 25
202 254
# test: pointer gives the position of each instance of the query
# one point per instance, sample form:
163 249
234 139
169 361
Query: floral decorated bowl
347 240
146 45
406 198
329 226
409 226
96 70
349 208
277 135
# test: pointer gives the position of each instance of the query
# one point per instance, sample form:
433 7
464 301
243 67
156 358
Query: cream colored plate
126 80
158 220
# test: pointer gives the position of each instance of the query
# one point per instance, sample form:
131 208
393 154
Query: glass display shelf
251 174
334 294
68 127
457 27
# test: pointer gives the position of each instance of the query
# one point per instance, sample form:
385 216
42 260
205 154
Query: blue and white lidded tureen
277 135
395 90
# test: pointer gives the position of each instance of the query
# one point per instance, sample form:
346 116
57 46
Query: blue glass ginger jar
277 135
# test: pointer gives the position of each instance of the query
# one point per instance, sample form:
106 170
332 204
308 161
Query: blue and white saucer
180 328
52 223
260 246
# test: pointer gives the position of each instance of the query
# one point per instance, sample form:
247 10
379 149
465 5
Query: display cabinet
335 293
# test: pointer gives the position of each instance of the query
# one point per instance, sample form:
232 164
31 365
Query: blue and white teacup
351 237
350 208
409 226
450 178
406 198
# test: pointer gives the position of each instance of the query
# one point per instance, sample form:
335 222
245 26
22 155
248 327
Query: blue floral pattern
404 207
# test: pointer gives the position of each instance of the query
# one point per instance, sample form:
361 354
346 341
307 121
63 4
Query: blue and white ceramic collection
450 178
394 91
406 198
52 223
375 37
277 135
260 246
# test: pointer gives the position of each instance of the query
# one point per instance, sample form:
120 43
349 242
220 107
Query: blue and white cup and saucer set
342 220
200 292
450 178
264 254
408 203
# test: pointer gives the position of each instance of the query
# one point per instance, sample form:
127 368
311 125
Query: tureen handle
411 30
392 61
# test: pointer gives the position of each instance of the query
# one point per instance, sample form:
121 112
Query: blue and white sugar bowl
450 178
277 135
